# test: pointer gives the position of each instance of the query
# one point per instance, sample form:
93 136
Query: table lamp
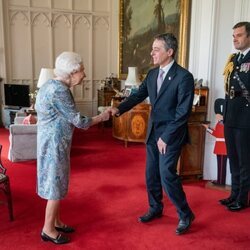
132 78
44 76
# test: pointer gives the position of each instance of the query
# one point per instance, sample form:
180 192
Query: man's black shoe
227 201
236 206
184 225
149 217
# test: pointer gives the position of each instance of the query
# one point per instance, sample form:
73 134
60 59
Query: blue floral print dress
57 117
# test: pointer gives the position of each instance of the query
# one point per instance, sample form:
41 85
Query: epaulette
228 70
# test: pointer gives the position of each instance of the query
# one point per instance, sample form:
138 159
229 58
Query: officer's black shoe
184 224
149 217
227 201
236 206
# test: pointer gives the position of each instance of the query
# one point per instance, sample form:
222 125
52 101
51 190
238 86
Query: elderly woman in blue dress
57 117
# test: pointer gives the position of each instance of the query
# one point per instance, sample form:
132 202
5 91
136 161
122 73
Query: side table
132 125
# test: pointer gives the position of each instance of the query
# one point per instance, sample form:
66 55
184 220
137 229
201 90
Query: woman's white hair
67 63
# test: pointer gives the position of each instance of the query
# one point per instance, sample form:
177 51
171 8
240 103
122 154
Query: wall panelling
38 30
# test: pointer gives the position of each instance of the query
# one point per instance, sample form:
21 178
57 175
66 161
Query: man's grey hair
67 63
170 41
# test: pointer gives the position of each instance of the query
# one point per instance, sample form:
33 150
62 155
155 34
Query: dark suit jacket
170 108
237 110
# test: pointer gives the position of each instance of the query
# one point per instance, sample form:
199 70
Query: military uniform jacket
237 109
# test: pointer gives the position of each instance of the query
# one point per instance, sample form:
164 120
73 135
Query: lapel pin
169 78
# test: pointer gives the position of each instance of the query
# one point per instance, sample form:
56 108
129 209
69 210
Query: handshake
106 113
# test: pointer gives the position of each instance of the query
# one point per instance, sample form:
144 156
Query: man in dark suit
171 102
237 118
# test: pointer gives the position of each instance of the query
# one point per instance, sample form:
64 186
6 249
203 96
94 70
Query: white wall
2 56
2 68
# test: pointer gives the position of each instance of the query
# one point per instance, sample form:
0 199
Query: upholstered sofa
23 141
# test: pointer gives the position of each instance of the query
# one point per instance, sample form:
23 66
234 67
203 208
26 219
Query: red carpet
107 194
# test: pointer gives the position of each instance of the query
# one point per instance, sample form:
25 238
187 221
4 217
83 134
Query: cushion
30 119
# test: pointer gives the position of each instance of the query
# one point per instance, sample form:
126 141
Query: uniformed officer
237 118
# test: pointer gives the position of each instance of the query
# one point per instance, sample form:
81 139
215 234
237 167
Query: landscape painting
140 21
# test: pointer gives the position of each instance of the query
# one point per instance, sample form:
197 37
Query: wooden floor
218 187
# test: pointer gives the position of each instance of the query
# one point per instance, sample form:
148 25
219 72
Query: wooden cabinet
132 125
105 97
192 156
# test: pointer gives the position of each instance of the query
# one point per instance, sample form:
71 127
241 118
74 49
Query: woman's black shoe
65 229
60 239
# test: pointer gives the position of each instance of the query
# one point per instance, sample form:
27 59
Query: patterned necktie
160 80
240 58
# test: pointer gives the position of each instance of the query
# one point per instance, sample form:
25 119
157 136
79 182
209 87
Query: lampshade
44 76
132 78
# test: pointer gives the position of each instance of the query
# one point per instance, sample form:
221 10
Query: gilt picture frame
140 21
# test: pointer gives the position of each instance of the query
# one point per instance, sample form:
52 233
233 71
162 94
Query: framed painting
140 21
